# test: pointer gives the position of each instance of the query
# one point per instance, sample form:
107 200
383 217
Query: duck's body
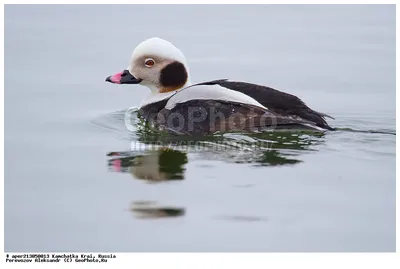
180 107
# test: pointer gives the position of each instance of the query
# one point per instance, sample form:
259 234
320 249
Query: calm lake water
73 184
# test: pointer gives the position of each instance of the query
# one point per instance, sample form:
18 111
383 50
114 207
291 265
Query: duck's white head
157 64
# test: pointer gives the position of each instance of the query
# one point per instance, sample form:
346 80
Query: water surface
73 184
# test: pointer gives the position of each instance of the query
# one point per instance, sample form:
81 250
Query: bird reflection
153 166
168 161
148 210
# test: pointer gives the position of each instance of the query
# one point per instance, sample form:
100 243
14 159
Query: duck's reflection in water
154 166
163 162
150 210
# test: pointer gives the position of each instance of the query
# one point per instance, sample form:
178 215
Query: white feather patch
210 92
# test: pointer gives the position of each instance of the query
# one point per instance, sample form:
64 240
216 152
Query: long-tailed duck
176 105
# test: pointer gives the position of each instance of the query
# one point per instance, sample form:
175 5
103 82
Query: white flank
314 127
210 92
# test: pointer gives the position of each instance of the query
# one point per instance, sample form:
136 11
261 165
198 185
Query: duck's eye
149 62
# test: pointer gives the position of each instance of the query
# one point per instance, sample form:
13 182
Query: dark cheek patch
173 76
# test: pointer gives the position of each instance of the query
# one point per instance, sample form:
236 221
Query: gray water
64 191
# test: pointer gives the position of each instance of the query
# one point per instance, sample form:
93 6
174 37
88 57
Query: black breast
149 112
